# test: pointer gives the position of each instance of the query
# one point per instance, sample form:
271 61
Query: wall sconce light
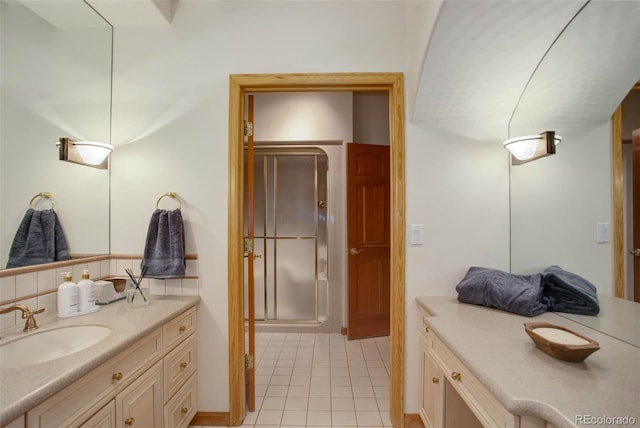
531 147
89 153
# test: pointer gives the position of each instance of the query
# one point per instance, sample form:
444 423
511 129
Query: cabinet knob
456 376
182 329
435 380
184 410
184 365
116 376
129 421
426 329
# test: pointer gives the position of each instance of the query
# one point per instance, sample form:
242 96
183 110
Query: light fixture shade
89 153
93 152
531 147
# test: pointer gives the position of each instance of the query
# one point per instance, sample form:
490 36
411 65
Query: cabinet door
431 389
140 404
104 418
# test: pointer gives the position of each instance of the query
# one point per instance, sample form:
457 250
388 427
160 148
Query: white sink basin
47 345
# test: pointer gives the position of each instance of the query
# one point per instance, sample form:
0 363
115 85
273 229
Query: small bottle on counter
86 293
67 296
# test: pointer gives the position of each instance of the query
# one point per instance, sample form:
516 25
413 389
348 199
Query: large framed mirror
55 82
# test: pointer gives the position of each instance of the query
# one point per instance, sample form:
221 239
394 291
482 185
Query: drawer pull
426 329
116 376
184 410
435 380
182 329
129 421
184 365
456 376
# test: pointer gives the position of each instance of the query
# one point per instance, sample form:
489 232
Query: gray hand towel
164 247
39 239
521 294
569 292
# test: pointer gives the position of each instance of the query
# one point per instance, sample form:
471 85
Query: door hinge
248 246
248 361
248 128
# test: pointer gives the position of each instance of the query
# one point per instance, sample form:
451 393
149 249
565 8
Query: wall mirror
559 203
55 82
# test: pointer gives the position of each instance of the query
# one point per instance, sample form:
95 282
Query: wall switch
602 233
415 237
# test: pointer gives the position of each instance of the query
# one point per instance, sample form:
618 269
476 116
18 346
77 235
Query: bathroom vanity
144 373
479 368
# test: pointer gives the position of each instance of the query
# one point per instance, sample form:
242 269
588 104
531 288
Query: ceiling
495 69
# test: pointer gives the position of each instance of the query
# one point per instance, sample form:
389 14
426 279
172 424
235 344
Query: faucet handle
31 323
31 313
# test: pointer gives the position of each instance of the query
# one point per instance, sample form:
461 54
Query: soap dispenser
86 293
67 296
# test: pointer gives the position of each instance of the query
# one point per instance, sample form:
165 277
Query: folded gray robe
568 292
39 239
164 248
521 294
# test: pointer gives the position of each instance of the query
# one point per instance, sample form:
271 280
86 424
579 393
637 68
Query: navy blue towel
39 239
164 247
568 292
520 294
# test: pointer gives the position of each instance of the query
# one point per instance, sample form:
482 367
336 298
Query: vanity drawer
69 407
179 411
481 402
176 330
179 365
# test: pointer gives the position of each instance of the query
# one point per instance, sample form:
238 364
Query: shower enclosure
290 242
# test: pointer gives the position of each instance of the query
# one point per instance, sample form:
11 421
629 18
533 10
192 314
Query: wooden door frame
618 200
239 85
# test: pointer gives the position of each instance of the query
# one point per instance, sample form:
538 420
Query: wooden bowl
560 342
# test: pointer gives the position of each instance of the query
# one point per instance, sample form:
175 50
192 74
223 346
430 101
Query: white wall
171 114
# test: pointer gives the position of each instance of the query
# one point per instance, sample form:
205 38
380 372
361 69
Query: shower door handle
354 251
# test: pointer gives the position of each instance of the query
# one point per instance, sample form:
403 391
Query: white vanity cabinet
451 396
138 388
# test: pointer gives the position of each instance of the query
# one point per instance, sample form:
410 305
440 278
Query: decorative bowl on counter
560 342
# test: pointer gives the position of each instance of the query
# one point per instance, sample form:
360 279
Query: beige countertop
495 348
23 388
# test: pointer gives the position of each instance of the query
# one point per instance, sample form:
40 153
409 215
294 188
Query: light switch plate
415 237
602 233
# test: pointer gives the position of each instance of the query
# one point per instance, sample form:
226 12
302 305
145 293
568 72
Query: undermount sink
47 345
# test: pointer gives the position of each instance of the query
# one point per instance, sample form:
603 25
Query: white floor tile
297 403
269 417
369 418
319 417
294 417
319 403
343 417
273 403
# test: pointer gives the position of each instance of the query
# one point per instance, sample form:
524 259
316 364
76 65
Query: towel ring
172 195
45 195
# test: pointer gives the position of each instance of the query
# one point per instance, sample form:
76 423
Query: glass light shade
93 152
531 146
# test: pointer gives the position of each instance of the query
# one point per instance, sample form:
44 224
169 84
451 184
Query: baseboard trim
412 420
211 419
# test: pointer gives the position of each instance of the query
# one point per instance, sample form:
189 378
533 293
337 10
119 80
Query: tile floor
320 380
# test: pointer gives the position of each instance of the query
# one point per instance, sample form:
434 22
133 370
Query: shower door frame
241 84
276 151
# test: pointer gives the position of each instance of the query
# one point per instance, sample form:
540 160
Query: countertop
23 388
525 380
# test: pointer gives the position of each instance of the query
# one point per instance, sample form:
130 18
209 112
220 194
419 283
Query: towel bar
45 195
173 195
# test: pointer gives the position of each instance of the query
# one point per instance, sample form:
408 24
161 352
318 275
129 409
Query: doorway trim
239 85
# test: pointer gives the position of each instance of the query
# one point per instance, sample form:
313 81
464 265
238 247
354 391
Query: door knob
354 251
635 252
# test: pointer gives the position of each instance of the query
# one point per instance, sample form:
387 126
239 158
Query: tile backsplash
38 288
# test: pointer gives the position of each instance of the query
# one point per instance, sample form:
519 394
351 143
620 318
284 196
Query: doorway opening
393 85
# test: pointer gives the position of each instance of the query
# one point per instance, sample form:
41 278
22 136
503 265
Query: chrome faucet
27 314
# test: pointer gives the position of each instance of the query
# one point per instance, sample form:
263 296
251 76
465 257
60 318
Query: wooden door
249 254
636 213
368 237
